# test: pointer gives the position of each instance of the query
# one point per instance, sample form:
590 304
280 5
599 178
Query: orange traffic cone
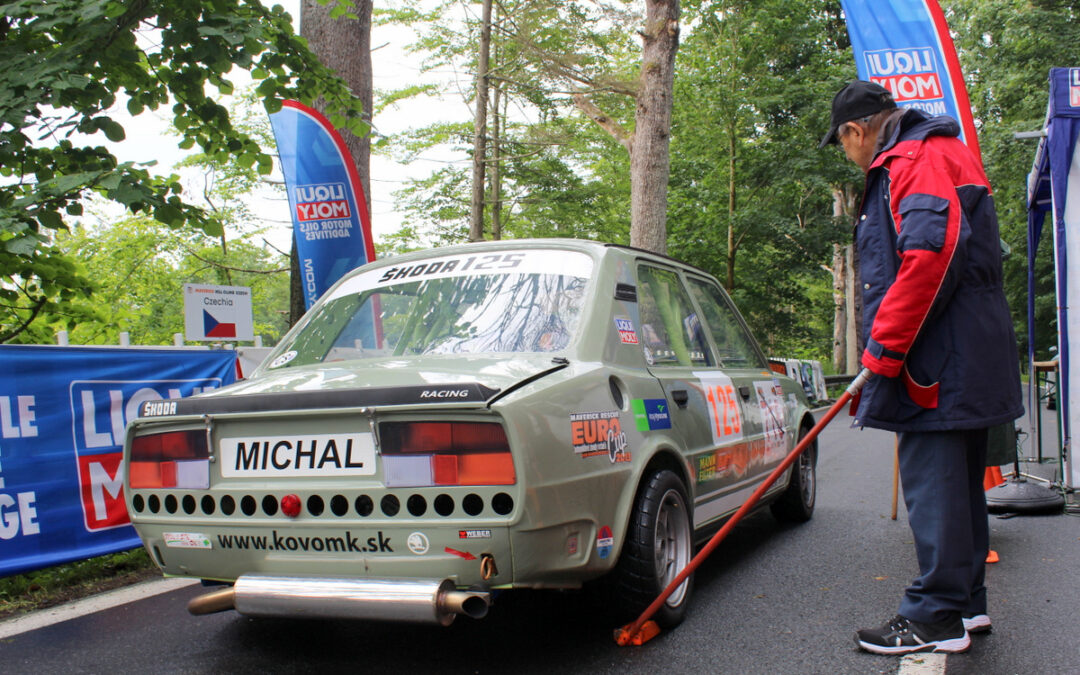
992 478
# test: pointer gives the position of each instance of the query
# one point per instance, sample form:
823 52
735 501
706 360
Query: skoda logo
417 543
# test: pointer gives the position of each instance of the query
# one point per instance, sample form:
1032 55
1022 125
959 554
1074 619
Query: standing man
940 342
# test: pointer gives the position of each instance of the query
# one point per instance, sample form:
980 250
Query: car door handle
680 397
744 391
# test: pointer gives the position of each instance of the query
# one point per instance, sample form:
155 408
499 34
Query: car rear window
497 302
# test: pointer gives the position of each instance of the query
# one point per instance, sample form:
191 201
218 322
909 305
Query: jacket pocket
923 221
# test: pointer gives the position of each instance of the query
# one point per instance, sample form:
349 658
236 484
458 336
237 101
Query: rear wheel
658 546
796 504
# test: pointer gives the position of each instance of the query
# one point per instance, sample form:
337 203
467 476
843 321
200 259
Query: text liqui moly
911 75
321 202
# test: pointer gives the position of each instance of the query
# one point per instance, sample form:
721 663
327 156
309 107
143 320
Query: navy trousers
942 474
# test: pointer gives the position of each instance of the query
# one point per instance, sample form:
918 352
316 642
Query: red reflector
290 505
445 469
168 474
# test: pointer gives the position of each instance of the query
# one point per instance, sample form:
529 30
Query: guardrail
833 380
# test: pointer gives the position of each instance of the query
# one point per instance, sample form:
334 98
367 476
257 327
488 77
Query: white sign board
214 313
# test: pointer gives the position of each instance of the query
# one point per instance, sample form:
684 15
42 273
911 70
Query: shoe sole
954 646
978 625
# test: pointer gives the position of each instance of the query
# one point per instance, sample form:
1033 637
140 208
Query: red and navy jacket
938 332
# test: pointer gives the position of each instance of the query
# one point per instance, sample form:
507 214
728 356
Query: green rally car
444 424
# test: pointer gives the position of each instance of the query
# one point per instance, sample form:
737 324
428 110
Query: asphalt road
772 599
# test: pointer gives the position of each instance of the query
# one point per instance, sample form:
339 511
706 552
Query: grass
23 593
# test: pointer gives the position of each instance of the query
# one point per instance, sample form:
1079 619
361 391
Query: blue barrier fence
63 411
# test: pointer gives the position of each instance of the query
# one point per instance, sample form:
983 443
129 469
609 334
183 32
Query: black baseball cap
857 99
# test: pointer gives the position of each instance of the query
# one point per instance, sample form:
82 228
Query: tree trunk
650 157
731 209
476 211
847 298
343 45
840 313
296 287
496 173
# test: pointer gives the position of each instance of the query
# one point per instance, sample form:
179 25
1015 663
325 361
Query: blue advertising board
904 45
331 224
63 414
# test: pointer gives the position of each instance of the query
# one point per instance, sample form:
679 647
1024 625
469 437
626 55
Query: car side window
671 331
734 346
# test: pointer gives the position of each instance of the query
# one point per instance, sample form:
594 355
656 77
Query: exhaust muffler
407 600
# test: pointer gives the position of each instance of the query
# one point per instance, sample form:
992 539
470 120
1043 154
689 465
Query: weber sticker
300 455
474 534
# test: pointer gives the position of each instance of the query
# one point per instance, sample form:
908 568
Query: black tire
796 504
659 544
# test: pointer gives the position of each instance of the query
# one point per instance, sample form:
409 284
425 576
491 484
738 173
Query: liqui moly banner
904 46
63 414
329 212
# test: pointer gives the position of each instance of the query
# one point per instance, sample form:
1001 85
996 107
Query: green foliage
141 267
751 85
67 63
61 583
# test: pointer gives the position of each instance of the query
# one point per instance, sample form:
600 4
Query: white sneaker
976 623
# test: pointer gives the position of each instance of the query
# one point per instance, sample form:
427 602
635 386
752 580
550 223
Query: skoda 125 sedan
445 424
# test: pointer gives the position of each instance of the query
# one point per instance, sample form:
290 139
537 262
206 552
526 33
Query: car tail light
424 454
175 459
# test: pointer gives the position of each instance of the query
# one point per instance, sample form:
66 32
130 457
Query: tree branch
586 106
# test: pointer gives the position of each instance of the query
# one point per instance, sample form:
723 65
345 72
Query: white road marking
96 603
922 664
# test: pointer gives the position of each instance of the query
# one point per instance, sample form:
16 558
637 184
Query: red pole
631 633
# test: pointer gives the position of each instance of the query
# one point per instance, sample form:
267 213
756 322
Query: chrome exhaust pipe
218 601
415 601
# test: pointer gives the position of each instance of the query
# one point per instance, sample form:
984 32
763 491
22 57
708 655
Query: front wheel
658 546
796 504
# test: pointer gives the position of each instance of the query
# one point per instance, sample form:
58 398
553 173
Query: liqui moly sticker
627 334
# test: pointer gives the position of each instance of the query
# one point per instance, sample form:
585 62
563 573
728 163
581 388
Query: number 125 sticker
725 416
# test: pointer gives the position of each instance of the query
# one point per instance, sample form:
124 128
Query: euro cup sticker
599 433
